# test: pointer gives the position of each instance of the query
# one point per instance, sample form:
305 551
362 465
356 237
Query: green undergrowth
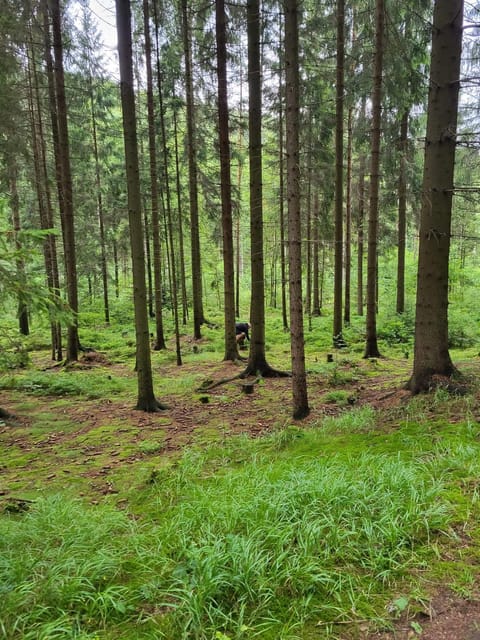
90 384
281 537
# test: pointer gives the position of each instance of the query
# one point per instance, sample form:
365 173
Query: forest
310 170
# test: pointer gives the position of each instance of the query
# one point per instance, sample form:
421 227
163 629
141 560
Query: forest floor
93 447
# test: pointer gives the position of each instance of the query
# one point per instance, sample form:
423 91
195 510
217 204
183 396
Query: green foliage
397 329
13 351
28 286
66 383
462 329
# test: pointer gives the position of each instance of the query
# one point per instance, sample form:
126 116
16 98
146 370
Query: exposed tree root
207 385
427 381
265 371
151 407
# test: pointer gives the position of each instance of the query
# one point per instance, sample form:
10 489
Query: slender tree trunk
238 255
198 315
431 353
402 212
168 200
257 362
299 378
316 310
308 275
181 249
360 234
148 256
23 324
283 261
43 192
146 400
98 186
66 182
152 150
348 221
338 284
231 350
116 269
371 347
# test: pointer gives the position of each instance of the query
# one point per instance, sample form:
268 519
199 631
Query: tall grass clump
62 570
292 541
259 549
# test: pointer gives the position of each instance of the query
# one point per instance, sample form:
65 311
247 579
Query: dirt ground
226 409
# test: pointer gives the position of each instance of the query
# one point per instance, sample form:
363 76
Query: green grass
90 384
273 538
278 537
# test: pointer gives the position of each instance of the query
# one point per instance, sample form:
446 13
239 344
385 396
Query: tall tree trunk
316 310
371 347
338 284
198 316
116 268
44 196
360 233
299 378
238 255
66 182
231 350
146 400
168 200
431 354
348 221
152 151
23 324
257 362
98 186
402 212
281 185
181 249
308 275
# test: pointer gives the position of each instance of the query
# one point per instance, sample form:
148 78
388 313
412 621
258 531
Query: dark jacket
242 327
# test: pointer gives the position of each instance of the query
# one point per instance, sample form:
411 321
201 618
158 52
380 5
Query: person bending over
242 332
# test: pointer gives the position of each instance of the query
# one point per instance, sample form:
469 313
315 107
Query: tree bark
431 353
371 346
281 186
98 186
181 250
348 221
43 190
146 400
152 151
402 212
257 362
231 350
198 315
316 310
360 233
299 378
66 182
340 89
23 324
